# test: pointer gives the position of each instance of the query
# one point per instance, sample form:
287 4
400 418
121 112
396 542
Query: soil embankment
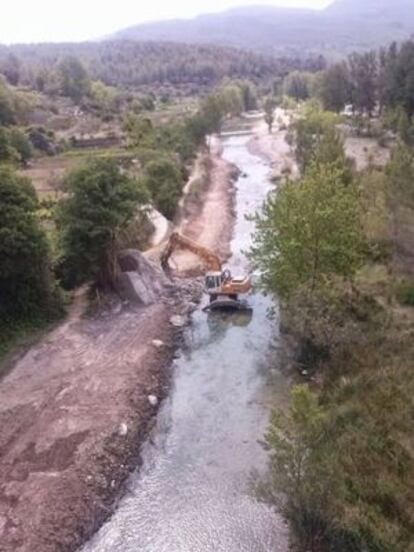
77 406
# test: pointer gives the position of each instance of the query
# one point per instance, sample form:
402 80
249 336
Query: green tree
102 200
164 180
26 287
269 106
304 477
141 132
212 110
364 77
309 232
334 87
7 153
21 144
74 78
298 85
310 130
7 111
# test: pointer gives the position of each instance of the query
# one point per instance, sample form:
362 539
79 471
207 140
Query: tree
74 79
364 72
101 201
335 87
212 111
11 69
7 153
310 130
141 132
21 144
297 85
7 112
309 232
303 469
164 180
269 106
26 287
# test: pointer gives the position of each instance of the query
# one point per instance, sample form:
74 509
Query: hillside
342 26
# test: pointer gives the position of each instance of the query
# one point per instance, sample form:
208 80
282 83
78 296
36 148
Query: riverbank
77 406
274 148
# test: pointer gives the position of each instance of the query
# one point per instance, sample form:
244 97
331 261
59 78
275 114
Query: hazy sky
72 20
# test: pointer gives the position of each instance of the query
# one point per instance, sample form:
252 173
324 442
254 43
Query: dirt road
77 406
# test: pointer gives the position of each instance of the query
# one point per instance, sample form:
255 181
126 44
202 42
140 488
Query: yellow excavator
220 285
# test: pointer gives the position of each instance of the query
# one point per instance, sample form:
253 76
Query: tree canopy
102 200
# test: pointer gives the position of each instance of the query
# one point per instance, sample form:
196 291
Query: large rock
139 281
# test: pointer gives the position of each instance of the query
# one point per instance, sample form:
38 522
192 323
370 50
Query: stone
158 344
178 321
153 400
123 430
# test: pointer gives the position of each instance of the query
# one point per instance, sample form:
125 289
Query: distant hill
343 26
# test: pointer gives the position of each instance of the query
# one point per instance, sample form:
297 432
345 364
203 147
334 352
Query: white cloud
57 20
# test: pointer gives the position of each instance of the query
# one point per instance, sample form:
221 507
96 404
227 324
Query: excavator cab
213 282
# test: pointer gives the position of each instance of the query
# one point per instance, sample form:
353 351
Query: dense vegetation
191 67
342 455
28 295
369 82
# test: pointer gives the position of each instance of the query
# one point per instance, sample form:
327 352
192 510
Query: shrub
404 293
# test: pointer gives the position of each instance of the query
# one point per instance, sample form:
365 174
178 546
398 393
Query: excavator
220 285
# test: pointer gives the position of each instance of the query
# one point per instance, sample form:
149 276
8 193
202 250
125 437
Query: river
194 490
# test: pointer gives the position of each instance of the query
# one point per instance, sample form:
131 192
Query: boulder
140 281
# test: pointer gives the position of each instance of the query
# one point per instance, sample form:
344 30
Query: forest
129 63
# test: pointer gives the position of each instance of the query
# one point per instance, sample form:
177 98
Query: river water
194 490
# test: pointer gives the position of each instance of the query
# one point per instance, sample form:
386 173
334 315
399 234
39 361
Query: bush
404 293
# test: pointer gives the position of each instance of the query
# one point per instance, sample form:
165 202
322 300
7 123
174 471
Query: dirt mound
140 281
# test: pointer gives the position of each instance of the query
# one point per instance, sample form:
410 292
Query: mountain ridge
343 25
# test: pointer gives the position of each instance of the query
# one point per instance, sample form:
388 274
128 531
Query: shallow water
194 491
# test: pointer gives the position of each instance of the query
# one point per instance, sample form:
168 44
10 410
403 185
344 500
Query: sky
75 20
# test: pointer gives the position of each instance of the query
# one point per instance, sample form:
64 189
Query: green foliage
364 74
396 81
309 232
21 144
334 87
7 153
26 289
302 467
102 201
400 173
405 293
141 132
313 128
7 111
342 464
269 106
164 180
74 79
105 98
298 85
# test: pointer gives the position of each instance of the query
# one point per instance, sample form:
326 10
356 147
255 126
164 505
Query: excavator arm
177 241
